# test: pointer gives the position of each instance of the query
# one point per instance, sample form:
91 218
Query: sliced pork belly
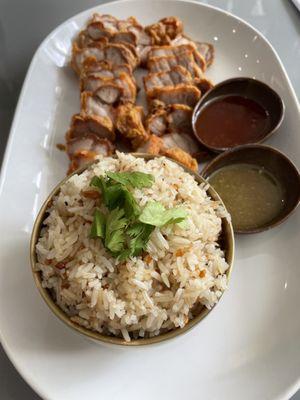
102 26
128 86
152 145
186 60
179 118
125 37
117 54
104 69
203 84
181 156
81 55
123 80
109 93
156 123
207 51
184 141
82 124
129 122
92 105
175 51
143 53
84 40
164 31
155 145
180 94
84 149
175 76
175 118
89 143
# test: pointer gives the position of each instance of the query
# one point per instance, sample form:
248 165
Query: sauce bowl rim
201 103
225 154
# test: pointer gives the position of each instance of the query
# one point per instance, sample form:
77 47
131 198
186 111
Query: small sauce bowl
274 163
236 112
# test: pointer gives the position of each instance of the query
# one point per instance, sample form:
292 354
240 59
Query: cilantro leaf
139 234
98 225
100 183
115 230
155 214
135 179
126 228
114 196
130 205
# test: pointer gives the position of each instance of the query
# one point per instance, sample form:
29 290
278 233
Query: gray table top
24 24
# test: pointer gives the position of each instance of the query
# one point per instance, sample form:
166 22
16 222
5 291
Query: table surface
278 20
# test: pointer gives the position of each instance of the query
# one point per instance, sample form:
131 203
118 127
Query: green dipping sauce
251 194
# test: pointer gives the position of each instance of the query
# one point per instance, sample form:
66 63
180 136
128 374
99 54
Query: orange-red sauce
231 120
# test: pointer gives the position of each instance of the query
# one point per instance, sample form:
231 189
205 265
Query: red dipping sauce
231 120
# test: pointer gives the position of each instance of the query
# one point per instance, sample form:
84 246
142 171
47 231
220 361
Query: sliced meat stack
105 56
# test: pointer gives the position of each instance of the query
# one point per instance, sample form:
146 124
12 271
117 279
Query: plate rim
291 389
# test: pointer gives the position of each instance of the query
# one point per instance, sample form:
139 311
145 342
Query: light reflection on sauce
251 194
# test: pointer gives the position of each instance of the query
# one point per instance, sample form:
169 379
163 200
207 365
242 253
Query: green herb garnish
134 179
126 229
115 230
155 214
98 225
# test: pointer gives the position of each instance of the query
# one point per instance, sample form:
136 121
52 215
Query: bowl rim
201 103
227 229
215 161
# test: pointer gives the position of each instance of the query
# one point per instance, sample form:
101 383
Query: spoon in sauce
236 112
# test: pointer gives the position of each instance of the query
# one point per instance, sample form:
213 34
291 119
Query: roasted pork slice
109 93
92 105
117 54
175 118
181 156
128 86
186 60
143 52
82 124
175 76
156 123
86 54
175 51
179 118
102 26
184 141
84 40
152 145
123 80
164 31
104 69
89 143
129 122
207 51
125 37
155 145
180 94
203 84
84 149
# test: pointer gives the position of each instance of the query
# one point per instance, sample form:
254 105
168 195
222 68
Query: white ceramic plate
249 346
